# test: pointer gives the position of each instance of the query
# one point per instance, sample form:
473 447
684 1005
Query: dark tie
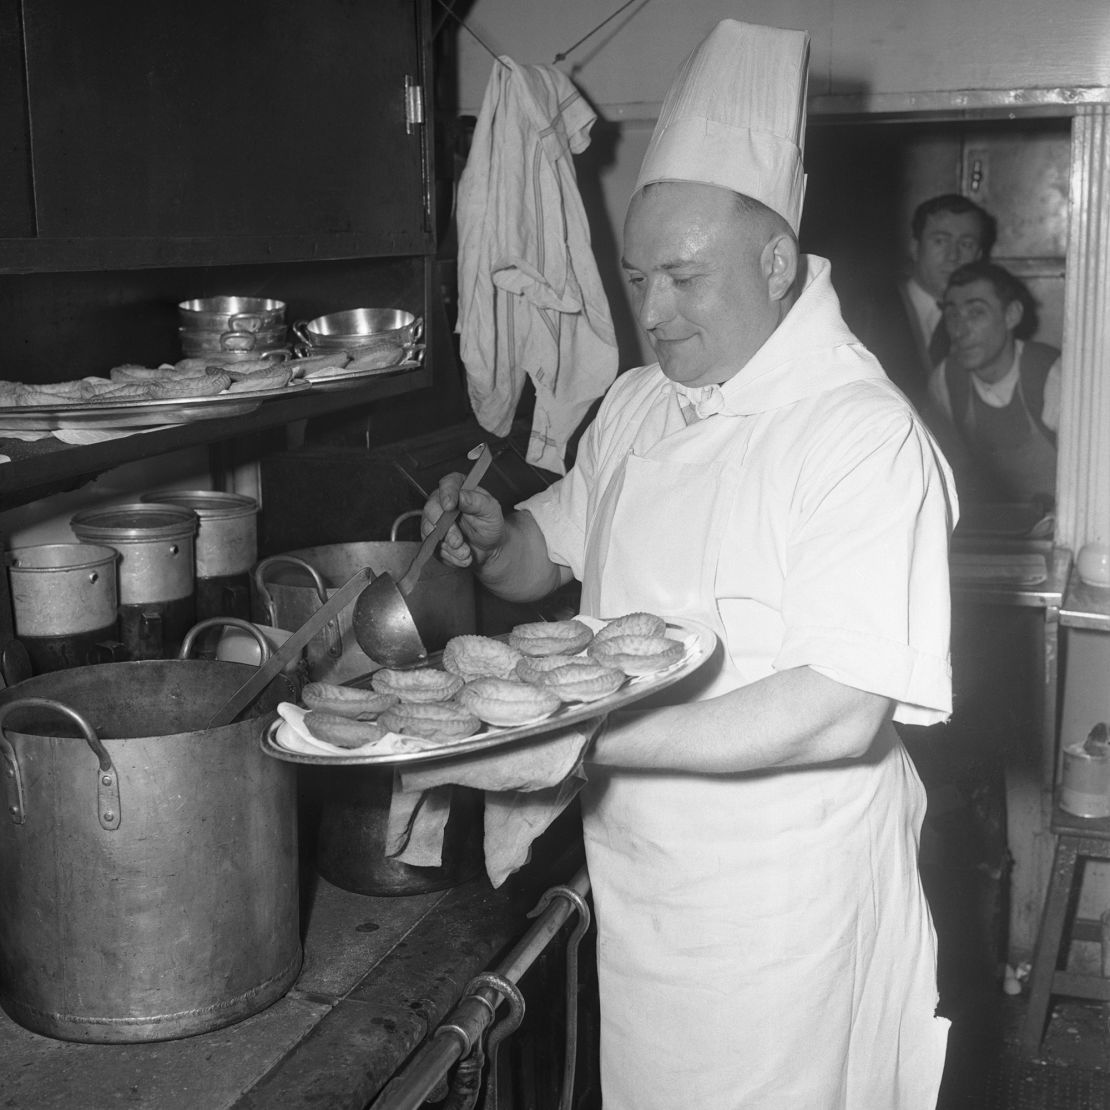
938 343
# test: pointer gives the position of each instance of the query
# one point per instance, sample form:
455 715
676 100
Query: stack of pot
232 329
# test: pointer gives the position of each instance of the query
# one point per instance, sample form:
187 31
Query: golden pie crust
583 680
473 657
551 637
432 720
345 701
505 703
426 684
343 732
637 655
632 624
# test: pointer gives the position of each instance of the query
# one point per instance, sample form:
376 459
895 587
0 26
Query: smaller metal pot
156 570
65 604
361 329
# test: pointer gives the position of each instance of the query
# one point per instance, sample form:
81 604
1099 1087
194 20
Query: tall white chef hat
734 116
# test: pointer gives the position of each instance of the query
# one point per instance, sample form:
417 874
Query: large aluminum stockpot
148 864
289 588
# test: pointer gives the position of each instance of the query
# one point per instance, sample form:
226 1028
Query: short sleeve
866 597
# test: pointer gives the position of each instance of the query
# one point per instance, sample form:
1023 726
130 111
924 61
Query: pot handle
244 321
221 622
107 781
333 641
412 514
300 331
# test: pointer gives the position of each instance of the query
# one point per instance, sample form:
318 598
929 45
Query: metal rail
462 1030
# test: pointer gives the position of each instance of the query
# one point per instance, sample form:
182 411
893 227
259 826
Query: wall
878 46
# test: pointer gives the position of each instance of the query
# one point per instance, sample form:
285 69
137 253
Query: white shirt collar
999 394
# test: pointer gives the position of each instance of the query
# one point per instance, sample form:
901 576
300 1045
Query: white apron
763 939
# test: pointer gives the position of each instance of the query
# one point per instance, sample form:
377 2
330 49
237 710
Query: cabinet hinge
414 105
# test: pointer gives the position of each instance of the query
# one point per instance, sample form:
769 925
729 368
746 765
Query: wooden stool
1076 838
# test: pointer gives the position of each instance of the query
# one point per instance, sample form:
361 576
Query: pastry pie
434 720
345 701
551 637
503 702
343 732
632 624
532 668
583 680
479 657
637 655
422 685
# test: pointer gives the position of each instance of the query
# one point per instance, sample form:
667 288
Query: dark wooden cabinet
215 133
152 151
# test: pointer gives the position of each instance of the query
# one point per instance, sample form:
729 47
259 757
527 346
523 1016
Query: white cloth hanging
531 301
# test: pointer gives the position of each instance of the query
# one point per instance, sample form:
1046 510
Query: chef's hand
479 530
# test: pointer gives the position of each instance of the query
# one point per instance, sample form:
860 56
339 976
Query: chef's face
981 328
702 280
948 241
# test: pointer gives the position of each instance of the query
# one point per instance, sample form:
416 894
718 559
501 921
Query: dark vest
1033 367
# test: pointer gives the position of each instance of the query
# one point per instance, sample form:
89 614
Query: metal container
353 829
227 313
64 603
225 549
156 570
148 864
390 332
289 588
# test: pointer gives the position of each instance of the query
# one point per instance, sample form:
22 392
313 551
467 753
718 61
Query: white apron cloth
764 941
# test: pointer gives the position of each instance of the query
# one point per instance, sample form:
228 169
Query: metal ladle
382 621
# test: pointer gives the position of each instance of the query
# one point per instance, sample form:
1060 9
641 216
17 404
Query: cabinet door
17 218
153 119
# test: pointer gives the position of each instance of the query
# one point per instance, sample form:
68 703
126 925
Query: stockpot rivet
174 549
94 577
106 779
109 815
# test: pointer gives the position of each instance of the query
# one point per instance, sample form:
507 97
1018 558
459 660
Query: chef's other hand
479 530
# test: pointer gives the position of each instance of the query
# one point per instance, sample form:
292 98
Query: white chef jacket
764 940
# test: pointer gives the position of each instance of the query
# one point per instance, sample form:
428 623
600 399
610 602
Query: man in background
994 402
903 328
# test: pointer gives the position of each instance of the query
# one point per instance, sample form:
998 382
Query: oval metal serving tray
700 643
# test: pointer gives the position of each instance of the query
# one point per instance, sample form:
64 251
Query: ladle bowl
381 620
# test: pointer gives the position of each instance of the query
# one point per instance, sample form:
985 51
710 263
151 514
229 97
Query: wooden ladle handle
433 539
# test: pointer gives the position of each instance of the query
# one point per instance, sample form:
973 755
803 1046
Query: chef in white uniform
764 941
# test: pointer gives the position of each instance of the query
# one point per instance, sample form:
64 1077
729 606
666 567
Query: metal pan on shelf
140 414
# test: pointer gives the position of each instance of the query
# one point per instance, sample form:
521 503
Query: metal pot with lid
148 864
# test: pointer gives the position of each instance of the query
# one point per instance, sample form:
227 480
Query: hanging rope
560 57
570 49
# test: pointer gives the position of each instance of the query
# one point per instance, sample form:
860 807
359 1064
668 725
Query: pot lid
139 522
206 503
